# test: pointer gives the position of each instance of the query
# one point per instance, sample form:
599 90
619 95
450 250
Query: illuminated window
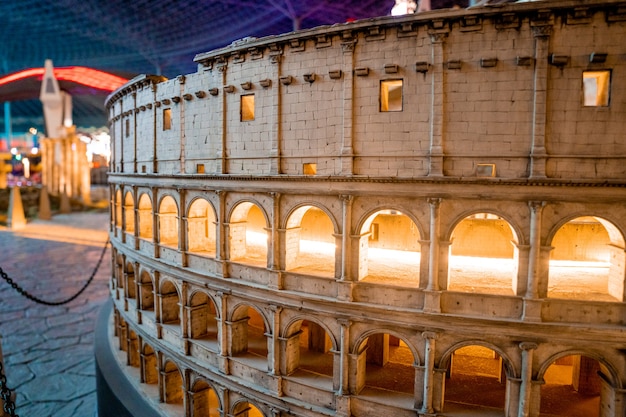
309 169
247 107
167 119
391 95
596 88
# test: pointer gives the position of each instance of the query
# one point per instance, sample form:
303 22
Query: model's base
117 397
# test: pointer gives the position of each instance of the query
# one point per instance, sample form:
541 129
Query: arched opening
202 318
149 368
129 273
119 271
146 292
168 222
587 262
309 242
170 303
475 380
204 400
201 230
129 213
483 256
248 335
572 387
389 249
145 217
248 235
133 349
246 409
386 364
172 384
308 351
118 208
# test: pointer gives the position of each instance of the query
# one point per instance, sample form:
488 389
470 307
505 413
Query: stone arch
117 202
172 383
310 240
389 247
384 360
145 217
201 227
307 346
244 408
170 302
203 316
133 349
204 400
146 291
587 260
119 270
129 212
248 329
473 367
484 254
129 278
577 383
247 237
168 221
149 370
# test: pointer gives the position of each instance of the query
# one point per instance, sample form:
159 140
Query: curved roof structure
149 36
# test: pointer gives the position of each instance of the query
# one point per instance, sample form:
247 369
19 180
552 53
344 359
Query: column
222 333
528 349
275 103
221 234
345 284
346 220
531 310
429 366
437 38
433 253
432 297
538 153
222 164
183 244
153 88
341 378
274 352
181 115
347 150
275 238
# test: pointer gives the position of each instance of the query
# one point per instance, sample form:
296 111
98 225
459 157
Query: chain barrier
5 392
31 297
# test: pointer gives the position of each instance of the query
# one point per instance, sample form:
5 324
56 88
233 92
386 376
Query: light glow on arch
82 75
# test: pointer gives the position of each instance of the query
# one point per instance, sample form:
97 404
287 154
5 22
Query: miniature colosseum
418 215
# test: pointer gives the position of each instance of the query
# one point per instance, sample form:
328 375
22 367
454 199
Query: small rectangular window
167 119
309 169
127 127
596 86
247 107
391 95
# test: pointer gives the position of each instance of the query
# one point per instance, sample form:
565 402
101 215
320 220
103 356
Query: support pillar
538 154
429 367
432 296
532 309
437 96
16 218
525 396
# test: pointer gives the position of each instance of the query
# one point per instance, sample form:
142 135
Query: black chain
6 394
55 303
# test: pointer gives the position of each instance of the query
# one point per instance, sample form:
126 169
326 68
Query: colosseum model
405 216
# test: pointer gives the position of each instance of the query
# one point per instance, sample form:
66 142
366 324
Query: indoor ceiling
147 36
